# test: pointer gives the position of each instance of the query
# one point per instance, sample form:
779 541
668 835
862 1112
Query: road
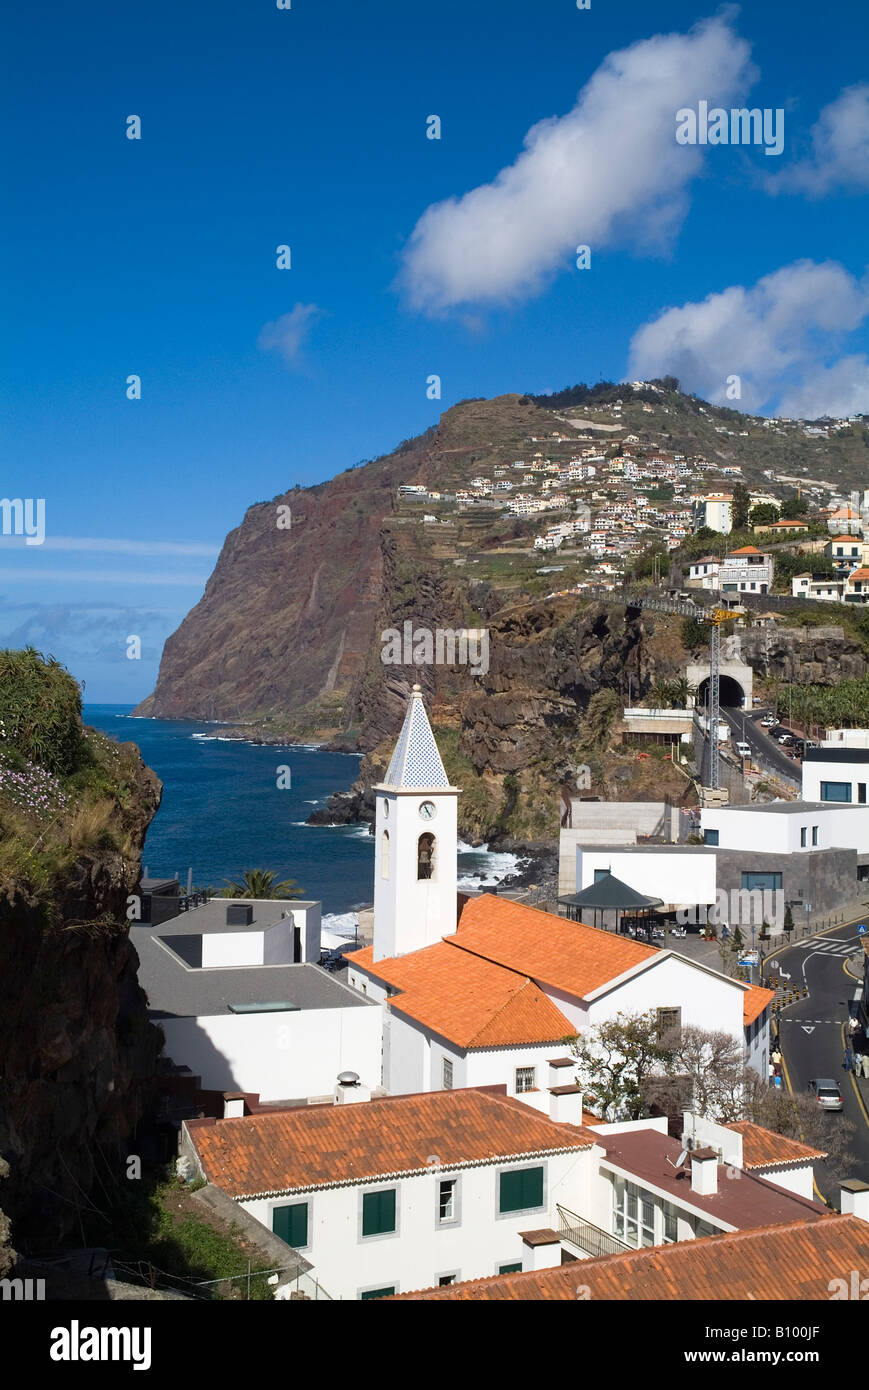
764 749
811 1029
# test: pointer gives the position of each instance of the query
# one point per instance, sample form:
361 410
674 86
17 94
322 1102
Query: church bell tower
415 842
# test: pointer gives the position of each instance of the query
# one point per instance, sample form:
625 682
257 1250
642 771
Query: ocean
222 813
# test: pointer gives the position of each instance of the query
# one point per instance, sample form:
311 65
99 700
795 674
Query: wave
340 923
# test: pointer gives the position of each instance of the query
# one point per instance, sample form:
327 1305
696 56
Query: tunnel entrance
730 693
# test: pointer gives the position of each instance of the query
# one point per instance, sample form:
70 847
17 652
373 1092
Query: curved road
810 1030
765 749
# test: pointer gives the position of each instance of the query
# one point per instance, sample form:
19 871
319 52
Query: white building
838 771
237 990
714 511
410 1192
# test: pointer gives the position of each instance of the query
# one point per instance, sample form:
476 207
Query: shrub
40 710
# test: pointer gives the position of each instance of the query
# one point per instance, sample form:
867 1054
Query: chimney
540 1250
854 1199
565 1104
561 1070
233 1105
704 1172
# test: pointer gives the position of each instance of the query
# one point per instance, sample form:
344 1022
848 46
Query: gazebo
608 893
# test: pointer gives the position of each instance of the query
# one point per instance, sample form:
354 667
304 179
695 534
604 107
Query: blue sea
222 813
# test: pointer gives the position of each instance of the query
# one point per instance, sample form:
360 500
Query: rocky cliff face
77 1052
803 655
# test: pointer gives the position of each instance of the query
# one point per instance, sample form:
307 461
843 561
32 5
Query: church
485 991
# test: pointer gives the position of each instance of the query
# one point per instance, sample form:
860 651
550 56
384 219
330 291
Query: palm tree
260 883
683 690
661 694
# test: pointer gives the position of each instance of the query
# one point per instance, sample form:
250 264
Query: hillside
287 638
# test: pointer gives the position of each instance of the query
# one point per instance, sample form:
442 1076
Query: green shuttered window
291 1224
521 1189
378 1213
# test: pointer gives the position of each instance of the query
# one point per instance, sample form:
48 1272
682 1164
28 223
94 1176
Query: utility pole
714 702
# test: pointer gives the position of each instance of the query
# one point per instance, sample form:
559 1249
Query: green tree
602 710
739 507
616 1060
260 883
764 514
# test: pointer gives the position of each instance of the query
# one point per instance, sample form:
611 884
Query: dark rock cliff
77 1052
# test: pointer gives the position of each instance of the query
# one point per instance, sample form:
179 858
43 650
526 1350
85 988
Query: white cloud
840 148
608 170
778 337
287 335
122 546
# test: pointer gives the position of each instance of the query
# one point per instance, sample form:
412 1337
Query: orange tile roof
762 1148
747 550
470 1001
754 1001
774 524
314 1146
857 574
844 540
797 1261
567 955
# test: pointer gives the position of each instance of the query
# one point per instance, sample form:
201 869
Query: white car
743 750
769 722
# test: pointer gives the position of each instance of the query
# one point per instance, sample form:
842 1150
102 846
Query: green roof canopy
609 892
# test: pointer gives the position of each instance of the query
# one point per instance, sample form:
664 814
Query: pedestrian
849 1057
858 1063
776 1058
852 1024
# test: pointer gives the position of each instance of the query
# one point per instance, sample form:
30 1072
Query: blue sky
307 127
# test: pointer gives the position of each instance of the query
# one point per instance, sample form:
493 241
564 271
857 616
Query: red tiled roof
798 1261
651 1158
857 574
313 1146
747 550
844 540
754 1001
469 1000
567 955
763 1148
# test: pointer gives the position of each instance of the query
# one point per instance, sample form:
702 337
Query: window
520 1189
447 1078
384 854
802 837
814 834
425 856
668 1020
378 1212
671 1225
511 1268
767 882
835 791
377 1293
291 1224
447 1205
861 793
524 1079
445 1279
601 873
633 1214
710 837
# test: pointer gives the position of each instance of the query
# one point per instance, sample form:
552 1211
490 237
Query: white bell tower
415 843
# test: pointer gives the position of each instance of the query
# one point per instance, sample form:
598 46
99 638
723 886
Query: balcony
587 1237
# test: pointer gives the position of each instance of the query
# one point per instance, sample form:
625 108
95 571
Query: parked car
826 1093
786 740
769 722
743 750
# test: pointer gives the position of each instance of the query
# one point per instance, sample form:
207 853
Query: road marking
808 1030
